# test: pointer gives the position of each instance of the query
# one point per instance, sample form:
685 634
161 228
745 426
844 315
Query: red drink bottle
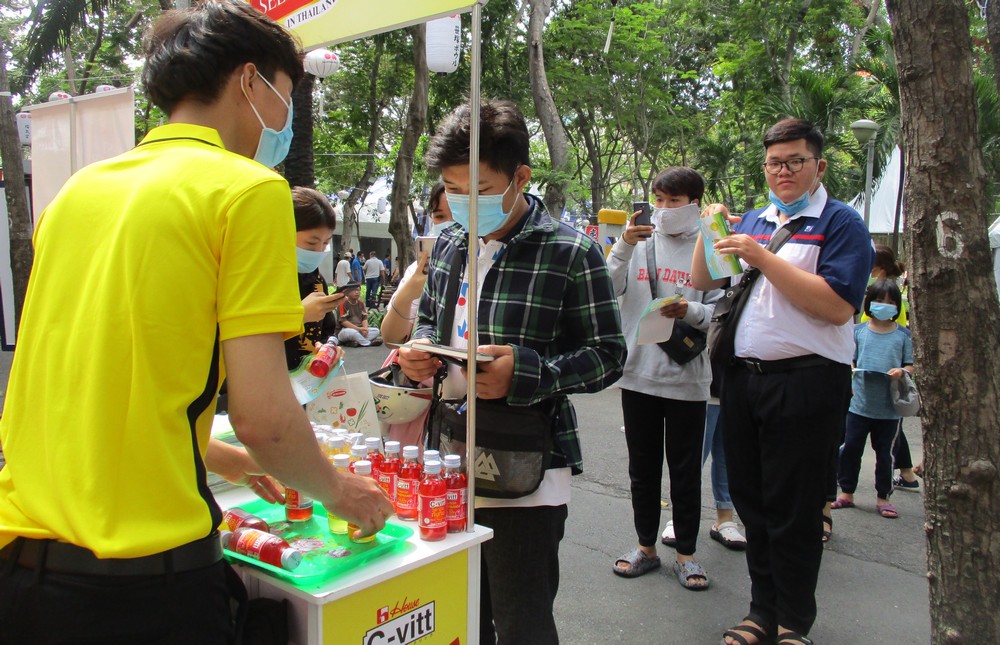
321 363
406 484
389 470
237 518
374 447
433 503
269 549
456 482
298 507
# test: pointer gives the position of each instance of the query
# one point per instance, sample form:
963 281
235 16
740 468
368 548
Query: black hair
191 53
312 210
885 259
680 180
503 138
880 289
435 199
792 130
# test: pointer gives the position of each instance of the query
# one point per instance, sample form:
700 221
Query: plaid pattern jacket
549 296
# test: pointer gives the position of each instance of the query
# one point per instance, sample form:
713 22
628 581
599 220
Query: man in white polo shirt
785 394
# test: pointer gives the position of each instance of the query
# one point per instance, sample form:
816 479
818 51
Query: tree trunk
993 32
548 114
18 212
594 157
416 117
300 164
859 37
956 316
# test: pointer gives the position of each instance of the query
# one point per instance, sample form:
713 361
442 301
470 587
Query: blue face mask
882 310
308 260
438 228
273 145
491 213
790 208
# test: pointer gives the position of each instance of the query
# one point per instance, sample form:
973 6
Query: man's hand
318 305
360 500
744 247
677 309
418 365
493 380
634 233
236 466
712 209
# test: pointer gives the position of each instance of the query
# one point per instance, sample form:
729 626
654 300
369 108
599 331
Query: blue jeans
371 292
713 444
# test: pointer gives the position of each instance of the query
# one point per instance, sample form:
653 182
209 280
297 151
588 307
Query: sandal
728 535
668 537
745 627
638 564
793 637
888 511
827 532
690 569
842 503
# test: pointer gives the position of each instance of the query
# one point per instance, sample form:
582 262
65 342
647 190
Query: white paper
653 327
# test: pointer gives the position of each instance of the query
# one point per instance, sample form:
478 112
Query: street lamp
865 131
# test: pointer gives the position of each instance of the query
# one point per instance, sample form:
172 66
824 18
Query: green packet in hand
715 227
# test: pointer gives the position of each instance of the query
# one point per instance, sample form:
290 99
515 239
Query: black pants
901 449
881 433
780 431
520 574
42 607
655 426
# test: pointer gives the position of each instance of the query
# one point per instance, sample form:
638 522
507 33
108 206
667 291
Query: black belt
785 364
61 557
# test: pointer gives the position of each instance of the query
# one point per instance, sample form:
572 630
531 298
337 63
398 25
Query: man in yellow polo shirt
157 274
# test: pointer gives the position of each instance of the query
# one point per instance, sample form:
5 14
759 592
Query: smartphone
425 243
642 219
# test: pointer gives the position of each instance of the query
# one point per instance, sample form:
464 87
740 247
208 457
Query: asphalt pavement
872 586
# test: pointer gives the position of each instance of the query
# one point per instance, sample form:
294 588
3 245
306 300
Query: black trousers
901 449
41 607
655 426
781 429
520 574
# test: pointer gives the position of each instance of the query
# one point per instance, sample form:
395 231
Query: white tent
883 209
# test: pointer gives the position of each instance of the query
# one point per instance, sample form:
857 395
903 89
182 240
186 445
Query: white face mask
674 221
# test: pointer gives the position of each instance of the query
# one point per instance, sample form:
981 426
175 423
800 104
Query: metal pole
473 271
868 181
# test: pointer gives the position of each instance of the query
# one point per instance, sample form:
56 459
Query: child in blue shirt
882 351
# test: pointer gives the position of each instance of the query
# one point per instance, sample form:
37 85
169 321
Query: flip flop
827 533
888 511
688 570
739 639
668 537
639 563
728 535
793 637
842 503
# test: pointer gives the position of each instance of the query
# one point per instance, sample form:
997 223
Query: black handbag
513 443
729 309
685 343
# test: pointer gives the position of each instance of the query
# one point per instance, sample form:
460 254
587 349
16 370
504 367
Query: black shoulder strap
778 240
650 245
451 297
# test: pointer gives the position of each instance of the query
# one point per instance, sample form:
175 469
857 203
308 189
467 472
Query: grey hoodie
648 369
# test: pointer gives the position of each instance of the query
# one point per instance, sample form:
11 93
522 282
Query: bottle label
406 493
456 504
433 513
387 482
295 499
250 542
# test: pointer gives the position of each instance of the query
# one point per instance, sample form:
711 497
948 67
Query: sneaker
668 537
902 484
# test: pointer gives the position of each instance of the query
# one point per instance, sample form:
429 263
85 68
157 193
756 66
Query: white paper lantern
59 95
321 63
104 88
444 44
23 120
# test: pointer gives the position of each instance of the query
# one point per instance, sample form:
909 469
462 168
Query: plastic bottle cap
373 443
290 558
363 467
341 460
358 451
336 443
431 455
225 536
410 452
452 461
392 447
432 467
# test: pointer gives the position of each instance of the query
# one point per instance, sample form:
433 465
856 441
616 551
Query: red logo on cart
383 614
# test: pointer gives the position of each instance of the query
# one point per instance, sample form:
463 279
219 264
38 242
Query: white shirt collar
817 202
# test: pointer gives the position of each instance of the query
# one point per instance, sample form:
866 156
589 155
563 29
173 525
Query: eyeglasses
793 165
